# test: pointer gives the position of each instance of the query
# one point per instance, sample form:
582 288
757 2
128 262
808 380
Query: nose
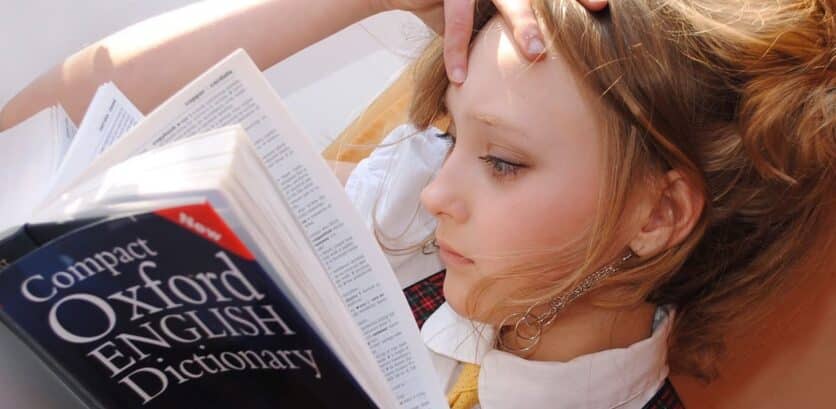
443 197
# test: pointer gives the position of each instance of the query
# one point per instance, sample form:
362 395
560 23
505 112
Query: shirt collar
615 378
447 333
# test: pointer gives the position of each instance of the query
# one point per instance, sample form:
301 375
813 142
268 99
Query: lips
451 256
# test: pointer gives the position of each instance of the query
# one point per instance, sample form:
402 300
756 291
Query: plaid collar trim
425 296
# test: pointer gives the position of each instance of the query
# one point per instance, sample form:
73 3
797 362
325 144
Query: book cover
169 310
29 237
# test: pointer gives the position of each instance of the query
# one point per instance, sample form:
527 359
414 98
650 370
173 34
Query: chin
456 294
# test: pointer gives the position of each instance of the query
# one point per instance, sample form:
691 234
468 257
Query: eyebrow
486 118
495 122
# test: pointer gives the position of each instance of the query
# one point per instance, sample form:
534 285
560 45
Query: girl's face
523 174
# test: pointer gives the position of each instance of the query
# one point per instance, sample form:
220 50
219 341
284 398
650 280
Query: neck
583 329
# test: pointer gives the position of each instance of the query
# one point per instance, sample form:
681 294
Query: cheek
473 294
545 212
516 231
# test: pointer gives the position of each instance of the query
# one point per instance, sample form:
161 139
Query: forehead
503 84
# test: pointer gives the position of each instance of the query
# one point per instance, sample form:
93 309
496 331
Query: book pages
41 140
65 132
234 91
108 117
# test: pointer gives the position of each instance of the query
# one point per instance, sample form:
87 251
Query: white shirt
388 184
391 179
625 378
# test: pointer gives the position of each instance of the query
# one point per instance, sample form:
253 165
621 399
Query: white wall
325 87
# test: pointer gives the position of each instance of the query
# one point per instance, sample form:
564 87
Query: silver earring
426 246
429 246
528 327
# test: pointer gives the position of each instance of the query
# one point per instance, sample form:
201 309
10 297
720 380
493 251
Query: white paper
109 116
29 157
65 131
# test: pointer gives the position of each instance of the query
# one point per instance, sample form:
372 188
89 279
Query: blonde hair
737 95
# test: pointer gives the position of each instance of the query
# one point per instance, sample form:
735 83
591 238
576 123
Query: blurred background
339 76
357 62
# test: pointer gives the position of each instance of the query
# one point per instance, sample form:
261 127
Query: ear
675 212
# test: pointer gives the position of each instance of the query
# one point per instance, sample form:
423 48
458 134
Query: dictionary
170 319
206 256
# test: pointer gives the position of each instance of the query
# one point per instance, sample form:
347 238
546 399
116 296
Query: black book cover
30 237
16 245
169 310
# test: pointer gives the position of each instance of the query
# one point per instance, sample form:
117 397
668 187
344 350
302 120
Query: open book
207 258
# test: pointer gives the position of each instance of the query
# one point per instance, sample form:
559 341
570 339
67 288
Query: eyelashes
500 168
447 137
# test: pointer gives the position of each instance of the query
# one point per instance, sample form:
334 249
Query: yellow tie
463 394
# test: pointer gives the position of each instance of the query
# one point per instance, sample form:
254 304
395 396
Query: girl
613 209
637 193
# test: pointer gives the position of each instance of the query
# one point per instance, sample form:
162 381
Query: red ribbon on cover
202 220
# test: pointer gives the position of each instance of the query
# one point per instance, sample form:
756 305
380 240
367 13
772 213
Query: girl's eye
451 142
501 167
447 136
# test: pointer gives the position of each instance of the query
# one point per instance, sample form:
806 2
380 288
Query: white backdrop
325 87
337 76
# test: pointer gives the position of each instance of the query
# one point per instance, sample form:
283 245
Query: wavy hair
739 95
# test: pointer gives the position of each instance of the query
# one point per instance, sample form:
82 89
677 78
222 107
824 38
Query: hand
454 19
458 27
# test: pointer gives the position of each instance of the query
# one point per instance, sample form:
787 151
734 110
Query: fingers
458 27
520 17
594 5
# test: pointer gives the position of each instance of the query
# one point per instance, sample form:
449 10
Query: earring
528 327
426 246
429 246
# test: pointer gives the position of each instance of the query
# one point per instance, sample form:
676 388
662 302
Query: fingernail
535 46
457 75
